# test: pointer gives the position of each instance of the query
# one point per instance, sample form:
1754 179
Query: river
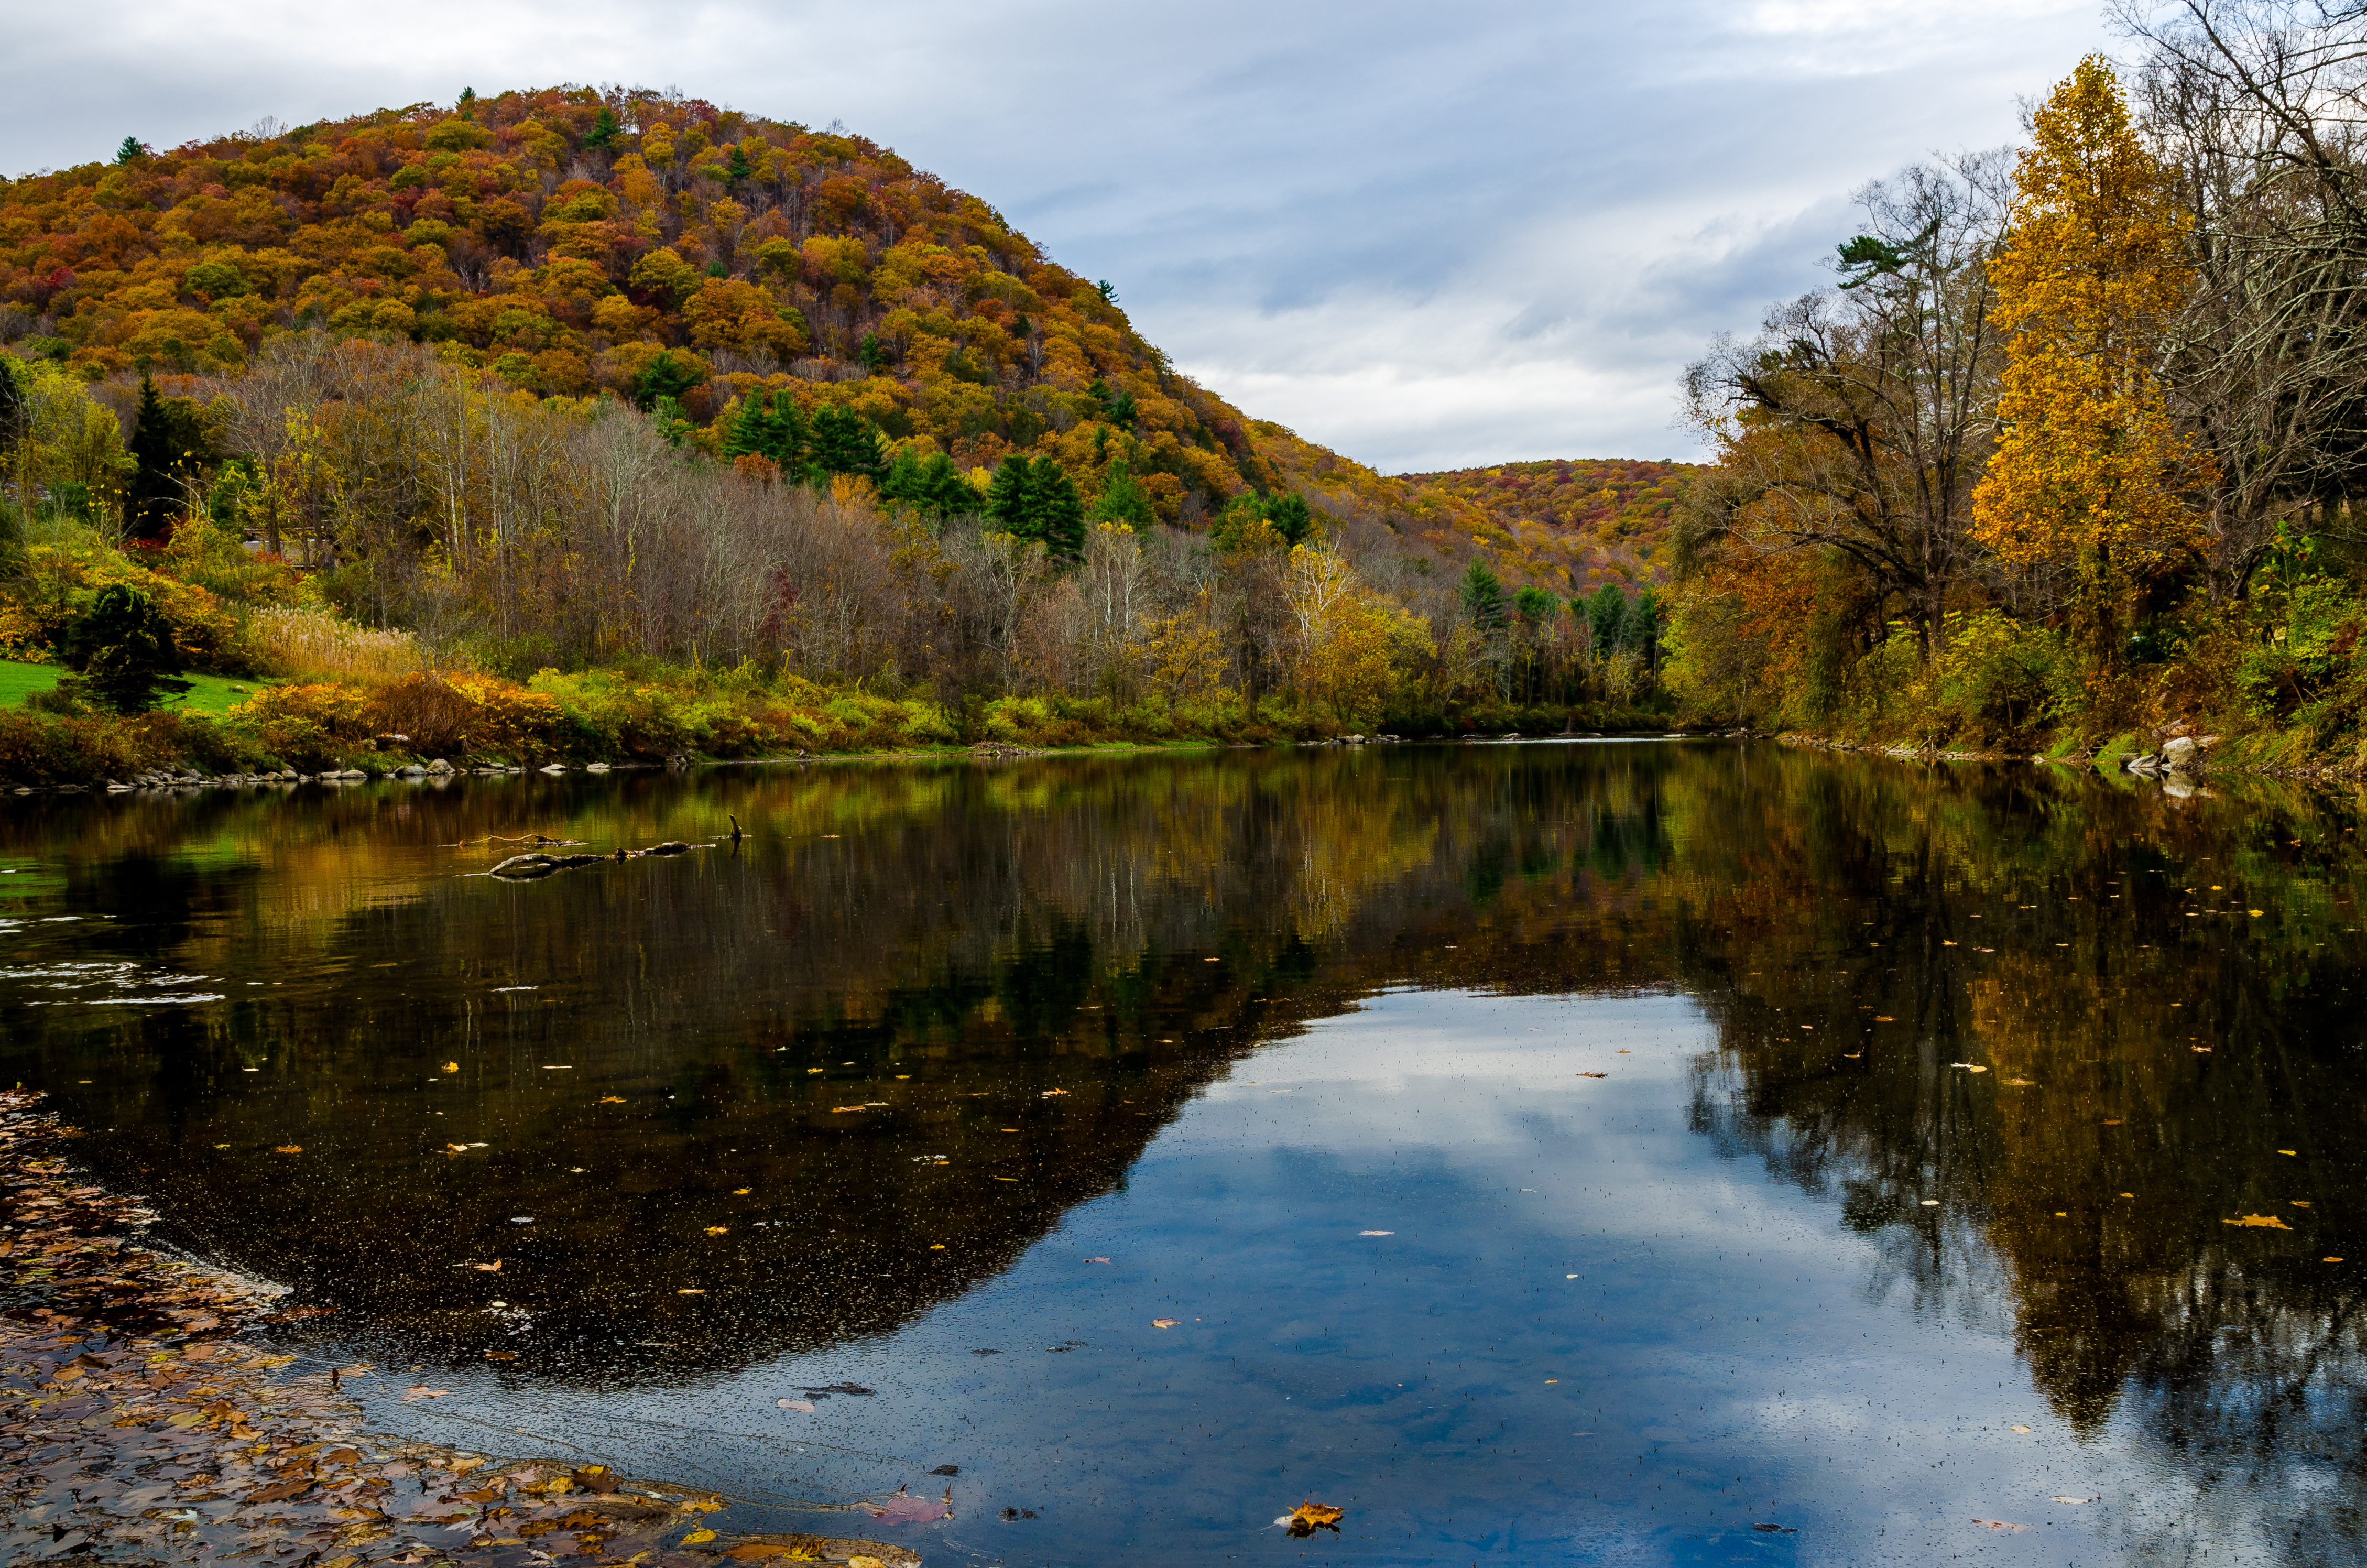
1657 1153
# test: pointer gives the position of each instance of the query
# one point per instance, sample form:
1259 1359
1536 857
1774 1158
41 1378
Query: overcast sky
1429 235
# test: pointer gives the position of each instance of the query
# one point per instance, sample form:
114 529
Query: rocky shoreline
145 1419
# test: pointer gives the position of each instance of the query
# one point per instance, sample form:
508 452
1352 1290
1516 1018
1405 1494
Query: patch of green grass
211 695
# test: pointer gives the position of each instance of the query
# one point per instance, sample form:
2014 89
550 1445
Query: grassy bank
652 716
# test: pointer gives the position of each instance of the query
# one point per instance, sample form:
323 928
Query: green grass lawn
207 694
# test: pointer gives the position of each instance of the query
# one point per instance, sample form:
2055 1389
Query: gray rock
2180 753
527 866
439 766
554 767
595 768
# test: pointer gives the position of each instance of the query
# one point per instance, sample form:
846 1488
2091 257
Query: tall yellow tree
2087 474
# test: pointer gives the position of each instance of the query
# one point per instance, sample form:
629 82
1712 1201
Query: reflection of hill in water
998 933
943 946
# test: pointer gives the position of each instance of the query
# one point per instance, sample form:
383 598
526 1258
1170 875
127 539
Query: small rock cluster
2179 753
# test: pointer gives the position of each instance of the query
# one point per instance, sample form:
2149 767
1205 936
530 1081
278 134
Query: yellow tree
2087 474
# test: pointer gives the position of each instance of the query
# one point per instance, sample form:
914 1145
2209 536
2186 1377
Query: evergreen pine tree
165 447
843 442
1483 598
1290 517
1059 513
123 649
1123 500
1010 500
130 150
605 130
1608 615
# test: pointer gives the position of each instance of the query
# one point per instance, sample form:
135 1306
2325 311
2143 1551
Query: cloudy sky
1429 235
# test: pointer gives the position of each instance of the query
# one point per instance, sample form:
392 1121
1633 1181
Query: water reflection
2034 1038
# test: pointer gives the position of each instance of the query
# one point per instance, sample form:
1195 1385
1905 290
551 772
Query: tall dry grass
315 643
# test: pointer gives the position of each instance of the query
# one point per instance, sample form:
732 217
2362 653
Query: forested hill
1615 513
573 242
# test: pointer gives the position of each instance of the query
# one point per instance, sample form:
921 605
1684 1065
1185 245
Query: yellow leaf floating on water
2259 1221
612 1100
456 1148
2022 1428
696 1537
1968 1067
2022 1083
451 1067
717 1230
289 1149
742 1191
1164 1323
1309 1518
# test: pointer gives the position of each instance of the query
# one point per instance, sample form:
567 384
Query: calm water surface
1666 1154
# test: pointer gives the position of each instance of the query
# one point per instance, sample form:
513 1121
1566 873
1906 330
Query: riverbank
145 1417
429 725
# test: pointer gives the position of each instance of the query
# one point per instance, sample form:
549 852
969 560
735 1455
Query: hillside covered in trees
534 385
1618 511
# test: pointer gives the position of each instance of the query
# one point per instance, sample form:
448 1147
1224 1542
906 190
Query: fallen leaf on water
690 1292
2061 1499
1968 1066
742 1191
280 1491
456 1148
2022 1428
696 1536
1851 1055
289 1149
559 1067
903 1508
1097 1260
837 1108
2299 1202
492 1267
1376 1232
717 1230
1164 1323
1945 943
805 1404
501 1354
1884 1018
2259 1221
2022 1083
2112 1123
2002 1525
1594 1074
2286 1151
1309 1518
612 1100
2330 1260
451 1067
421 1391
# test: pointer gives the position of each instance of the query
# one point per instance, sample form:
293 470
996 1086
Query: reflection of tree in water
1946 904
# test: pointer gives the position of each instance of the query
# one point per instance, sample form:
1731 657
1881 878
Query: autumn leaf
280 1491
492 1267
1594 1074
717 1230
289 1149
2259 1222
1164 1323
837 1110
1967 1067
501 1354
1309 1518
612 1100
2002 1525
451 1067
697 1536
742 1191
901 1508
2023 1083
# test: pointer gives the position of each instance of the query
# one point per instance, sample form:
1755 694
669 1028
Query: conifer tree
605 130
1122 499
124 650
166 448
1483 598
842 441
1290 517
